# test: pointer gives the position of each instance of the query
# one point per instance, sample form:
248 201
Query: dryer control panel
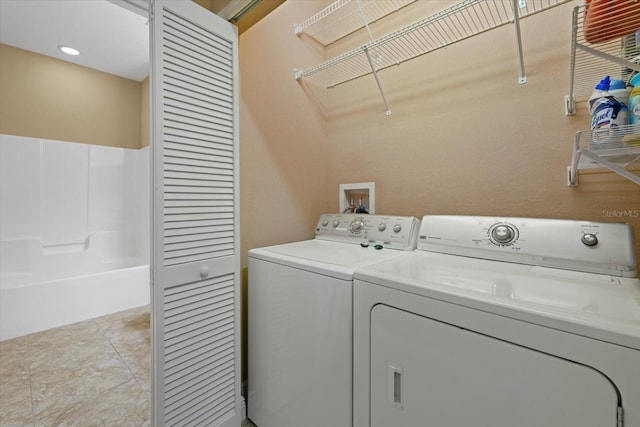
379 231
595 247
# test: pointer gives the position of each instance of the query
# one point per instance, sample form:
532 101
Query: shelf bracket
364 19
570 100
569 105
378 58
375 75
608 57
572 171
572 176
366 25
617 169
522 78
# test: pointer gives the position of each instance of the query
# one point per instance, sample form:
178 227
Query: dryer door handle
395 382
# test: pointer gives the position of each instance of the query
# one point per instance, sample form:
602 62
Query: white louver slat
197 65
199 344
196 260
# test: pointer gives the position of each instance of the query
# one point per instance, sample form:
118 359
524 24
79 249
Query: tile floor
92 373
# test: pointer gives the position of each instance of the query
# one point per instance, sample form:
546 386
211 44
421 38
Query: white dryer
500 322
300 318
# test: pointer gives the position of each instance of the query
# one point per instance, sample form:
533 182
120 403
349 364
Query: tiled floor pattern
93 373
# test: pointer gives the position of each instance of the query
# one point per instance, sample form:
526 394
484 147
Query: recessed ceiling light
69 50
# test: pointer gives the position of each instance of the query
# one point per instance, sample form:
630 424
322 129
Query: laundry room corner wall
463 136
282 136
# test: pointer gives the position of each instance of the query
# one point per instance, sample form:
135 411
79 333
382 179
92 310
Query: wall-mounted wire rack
617 150
344 17
619 57
590 62
456 23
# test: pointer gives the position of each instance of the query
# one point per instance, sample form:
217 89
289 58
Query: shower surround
74 232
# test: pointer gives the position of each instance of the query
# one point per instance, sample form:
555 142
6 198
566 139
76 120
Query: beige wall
463 138
282 135
48 98
283 161
145 128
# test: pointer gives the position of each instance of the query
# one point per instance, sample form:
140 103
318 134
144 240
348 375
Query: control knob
336 223
382 226
589 239
357 225
325 222
397 228
503 234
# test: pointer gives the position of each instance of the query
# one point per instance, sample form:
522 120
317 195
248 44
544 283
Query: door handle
204 272
394 385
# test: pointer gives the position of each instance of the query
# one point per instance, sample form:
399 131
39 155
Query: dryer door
424 372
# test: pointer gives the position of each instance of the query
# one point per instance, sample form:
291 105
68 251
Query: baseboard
243 409
243 402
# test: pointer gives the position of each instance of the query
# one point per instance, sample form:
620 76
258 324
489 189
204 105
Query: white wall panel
59 197
19 187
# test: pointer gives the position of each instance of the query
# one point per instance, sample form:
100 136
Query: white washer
500 322
300 318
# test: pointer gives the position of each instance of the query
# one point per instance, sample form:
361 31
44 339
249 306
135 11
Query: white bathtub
39 306
41 290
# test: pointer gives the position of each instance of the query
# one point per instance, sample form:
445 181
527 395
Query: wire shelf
594 54
451 25
343 17
603 43
617 149
623 139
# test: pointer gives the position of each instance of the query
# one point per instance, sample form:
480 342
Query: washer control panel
596 247
379 231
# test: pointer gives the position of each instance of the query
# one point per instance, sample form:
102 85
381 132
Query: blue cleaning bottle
634 100
607 113
619 90
601 91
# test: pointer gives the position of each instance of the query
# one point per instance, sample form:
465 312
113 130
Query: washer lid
603 307
324 257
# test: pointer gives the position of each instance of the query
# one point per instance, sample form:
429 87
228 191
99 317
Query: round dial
589 239
382 226
503 234
335 223
397 228
357 225
325 222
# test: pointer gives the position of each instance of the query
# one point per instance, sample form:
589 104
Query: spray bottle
601 91
607 114
634 100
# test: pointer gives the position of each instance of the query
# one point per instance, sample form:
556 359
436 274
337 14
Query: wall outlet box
358 196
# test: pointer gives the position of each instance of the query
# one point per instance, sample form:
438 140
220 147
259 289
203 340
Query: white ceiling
110 38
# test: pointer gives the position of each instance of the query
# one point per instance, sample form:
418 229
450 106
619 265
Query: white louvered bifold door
196 345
